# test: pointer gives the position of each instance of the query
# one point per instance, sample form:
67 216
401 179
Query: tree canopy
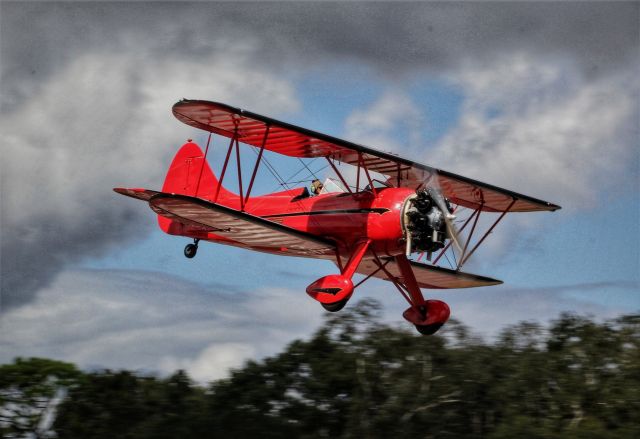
358 378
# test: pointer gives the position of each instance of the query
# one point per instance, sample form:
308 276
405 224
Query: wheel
428 329
335 307
190 250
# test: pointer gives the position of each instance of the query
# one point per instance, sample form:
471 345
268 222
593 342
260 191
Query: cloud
486 311
154 322
392 122
214 362
85 93
543 129
103 121
433 37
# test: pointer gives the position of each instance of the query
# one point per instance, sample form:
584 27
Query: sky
541 98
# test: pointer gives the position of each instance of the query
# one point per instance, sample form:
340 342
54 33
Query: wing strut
204 161
427 315
224 169
255 168
339 174
463 260
464 257
394 280
366 172
475 212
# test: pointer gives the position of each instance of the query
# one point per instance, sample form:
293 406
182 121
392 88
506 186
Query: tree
121 404
356 377
30 391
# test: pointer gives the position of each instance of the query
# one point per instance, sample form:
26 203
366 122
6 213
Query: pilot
316 187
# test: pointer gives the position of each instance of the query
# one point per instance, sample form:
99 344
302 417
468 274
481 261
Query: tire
429 329
335 307
190 250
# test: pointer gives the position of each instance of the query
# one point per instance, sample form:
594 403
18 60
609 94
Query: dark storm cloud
394 37
80 79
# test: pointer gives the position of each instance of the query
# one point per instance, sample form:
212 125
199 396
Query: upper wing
246 229
284 138
428 276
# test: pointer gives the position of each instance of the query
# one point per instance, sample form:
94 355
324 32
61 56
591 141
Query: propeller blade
452 231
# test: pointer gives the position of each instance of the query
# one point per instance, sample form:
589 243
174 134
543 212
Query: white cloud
541 128
489 310
157 323
104 121
154 322
392 122
214 362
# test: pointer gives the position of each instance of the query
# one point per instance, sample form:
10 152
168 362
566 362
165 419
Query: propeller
452 231
432 185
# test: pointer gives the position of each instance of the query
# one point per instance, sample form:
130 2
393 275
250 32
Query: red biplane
397 212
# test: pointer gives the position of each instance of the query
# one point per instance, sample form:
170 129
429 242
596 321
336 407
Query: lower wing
248 230
428 276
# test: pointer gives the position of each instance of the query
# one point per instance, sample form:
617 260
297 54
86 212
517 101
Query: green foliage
30 390
358 378
123 405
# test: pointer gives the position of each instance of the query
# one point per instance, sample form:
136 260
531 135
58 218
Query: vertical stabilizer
190 174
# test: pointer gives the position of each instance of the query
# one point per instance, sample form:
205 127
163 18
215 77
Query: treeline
358 378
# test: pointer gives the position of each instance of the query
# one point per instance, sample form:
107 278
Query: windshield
377 184
331 186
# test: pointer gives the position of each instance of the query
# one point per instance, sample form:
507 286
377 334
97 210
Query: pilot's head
316 186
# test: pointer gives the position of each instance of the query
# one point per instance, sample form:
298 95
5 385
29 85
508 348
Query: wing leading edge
294 141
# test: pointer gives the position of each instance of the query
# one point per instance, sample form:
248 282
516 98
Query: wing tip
136 192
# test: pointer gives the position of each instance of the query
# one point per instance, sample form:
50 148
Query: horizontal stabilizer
428 276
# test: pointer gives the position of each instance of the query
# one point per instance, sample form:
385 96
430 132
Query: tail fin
190 174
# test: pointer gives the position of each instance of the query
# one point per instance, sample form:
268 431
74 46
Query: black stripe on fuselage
378 210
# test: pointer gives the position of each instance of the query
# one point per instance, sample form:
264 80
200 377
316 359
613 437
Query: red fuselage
342 217
345 218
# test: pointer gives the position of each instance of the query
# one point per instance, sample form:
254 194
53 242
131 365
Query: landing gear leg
427 315
190 250
334 291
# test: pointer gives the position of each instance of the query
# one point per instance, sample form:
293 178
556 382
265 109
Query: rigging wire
283 183
307 177
447 258
305 165
301 169
271 169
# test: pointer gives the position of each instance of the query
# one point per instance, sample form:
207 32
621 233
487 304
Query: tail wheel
190 250
335 307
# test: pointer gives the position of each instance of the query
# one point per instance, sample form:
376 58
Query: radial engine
425 224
